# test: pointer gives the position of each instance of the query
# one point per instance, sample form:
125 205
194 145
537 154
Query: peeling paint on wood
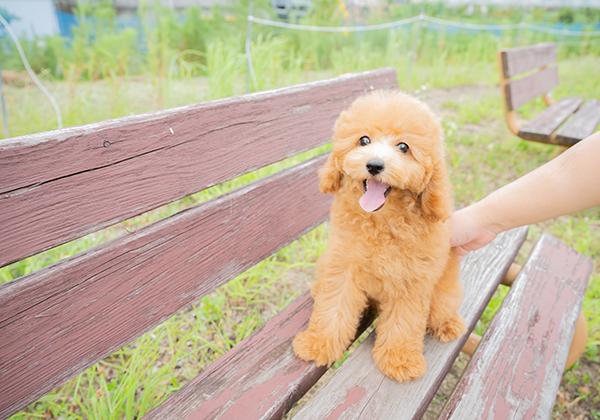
59 320
384 398
61 185
260 378
353 396
517 368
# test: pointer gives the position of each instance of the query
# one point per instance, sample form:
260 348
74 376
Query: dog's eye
403 147
364 140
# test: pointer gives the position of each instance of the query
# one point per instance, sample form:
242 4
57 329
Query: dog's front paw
312 345
400 363
449 329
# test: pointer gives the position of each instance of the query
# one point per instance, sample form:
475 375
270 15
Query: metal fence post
518 40
415 43
248 44
4 117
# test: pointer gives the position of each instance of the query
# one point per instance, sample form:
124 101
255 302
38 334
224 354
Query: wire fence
37 81
432 23
424 18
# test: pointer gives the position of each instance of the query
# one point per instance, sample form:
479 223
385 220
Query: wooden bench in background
58 321
581 118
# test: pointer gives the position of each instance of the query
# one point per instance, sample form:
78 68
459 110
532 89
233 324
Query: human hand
469 232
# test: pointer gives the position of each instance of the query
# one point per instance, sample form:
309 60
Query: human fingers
460 252
464 228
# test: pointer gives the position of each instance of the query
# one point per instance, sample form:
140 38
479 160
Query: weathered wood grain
581 125
521 91
61 185
542 126
358 390
59 320
521 59
517 369
260 378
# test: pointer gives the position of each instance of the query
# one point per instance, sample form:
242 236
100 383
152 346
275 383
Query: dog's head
389 142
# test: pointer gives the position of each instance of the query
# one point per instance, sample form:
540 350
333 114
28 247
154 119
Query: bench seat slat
542 126
358 390
64 184
260 378
521 59
59 320
521 91
516 377
581 125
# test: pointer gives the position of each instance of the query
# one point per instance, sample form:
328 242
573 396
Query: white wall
35 17
523 3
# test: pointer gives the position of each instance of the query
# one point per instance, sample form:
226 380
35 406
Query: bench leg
579 338
509 115
511 274
559 150
471 344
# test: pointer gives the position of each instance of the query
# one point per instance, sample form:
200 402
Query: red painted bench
58 321
581 120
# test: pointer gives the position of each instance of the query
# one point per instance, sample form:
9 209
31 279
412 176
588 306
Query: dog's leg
339 305
398 349
445 322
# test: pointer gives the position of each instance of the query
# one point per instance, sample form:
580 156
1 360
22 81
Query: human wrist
484 216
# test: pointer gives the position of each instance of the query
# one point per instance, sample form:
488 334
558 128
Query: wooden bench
581 118
58 321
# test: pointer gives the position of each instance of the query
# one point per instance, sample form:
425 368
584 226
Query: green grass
482 156
175 352
167 49
103 78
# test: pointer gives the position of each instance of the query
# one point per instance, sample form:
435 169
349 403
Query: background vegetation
108 70
163 47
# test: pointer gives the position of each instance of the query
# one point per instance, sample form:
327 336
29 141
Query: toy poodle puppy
389 243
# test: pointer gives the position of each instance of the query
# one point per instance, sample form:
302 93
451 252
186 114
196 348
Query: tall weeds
165 47
102 47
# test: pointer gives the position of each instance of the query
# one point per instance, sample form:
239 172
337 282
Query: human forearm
567 184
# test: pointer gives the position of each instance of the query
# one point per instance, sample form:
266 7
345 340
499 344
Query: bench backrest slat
61 185
521 59
59 320
520 91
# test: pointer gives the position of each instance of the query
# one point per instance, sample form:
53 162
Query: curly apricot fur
399 256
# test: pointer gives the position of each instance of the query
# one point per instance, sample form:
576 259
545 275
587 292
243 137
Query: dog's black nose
375 166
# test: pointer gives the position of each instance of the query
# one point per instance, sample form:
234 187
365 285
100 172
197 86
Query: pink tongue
374 197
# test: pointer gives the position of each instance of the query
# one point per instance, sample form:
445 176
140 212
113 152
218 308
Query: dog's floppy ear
330 176
435 198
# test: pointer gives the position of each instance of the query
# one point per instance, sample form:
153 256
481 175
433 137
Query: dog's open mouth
375 193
